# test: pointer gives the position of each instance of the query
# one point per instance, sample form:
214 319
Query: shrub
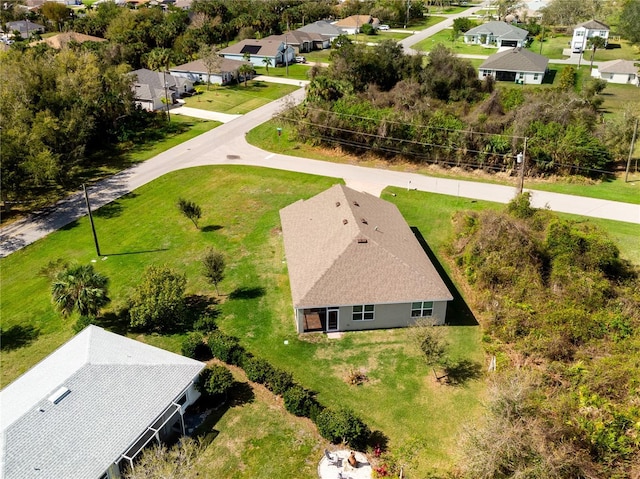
342 426
224 347
215 380
278 381
258 370
520 206
299 401
205 324
194 346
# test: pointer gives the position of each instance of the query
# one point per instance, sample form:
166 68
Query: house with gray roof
323 31
516 65
152 89
256 51
496 34
196 71
586 30
617 71
25 28
90 407
355 264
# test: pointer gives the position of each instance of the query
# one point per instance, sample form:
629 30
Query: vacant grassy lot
264 136
296 71
616 49
239 99
552 45
458 46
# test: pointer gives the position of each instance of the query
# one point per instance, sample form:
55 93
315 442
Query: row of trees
562 315
382 100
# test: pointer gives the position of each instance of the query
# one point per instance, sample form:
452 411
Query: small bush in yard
299 401
194 346
342 426
278 381
258 370
215 381
224 347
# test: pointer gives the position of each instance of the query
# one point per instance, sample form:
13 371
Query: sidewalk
203 114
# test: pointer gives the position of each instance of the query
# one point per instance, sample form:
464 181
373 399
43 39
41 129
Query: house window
579 33
535 76
363 312
603 33
421 309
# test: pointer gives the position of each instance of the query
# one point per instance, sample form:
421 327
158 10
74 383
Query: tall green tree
595 43
56 13
81 289
629 24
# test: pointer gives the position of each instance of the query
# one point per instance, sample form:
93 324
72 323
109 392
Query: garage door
509 43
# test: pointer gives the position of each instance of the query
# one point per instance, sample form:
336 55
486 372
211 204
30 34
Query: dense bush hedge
343 426
226 348
194 347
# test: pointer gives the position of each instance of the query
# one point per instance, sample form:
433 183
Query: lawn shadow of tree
18 336
461 371
110 210
210 228
378 441
458 311
116 322
247 292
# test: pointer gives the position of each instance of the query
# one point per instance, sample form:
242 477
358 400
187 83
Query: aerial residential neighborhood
319 239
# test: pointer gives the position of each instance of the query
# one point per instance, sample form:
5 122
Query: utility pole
523 163
406 21
633 141
93 228
286 57
166 95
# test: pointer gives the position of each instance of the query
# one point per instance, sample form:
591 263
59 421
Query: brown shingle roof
344 247
197 66
63 39
593 25
264 47
618 66
516 60
356 21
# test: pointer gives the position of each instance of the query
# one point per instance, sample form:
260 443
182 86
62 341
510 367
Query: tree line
436 110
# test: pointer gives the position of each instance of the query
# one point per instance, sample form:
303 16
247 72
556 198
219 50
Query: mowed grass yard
240 205
239 99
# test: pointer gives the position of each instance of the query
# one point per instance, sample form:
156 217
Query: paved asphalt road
226 145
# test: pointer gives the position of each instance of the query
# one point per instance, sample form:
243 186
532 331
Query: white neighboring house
353 24
517 65
257 50
617 71
196 71
584 31
92 405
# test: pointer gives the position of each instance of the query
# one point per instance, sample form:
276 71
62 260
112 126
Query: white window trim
363 312
422 309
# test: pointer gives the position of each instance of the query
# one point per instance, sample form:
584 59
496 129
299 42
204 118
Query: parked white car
383 27
301 60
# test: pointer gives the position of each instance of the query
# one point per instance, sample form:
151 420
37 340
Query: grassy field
421 418
459 46
552 46
239 99
379 37
264 137
318 56
296 71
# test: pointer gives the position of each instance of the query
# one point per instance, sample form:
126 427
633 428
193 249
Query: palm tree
245 71
267 63
594 43
79 288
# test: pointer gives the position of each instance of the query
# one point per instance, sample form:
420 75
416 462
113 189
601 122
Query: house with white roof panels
90 407
355 264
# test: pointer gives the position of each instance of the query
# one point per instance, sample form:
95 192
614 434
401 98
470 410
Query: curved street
226 144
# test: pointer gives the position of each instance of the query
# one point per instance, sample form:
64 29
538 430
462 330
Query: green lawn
264 137
238 99
379 37
421 418
616 49
427 22
296 71
458 46
552 45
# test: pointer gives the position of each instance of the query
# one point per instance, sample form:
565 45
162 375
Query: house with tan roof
584 31
517 65
256 51
90 407
355 264
617 71
352 25
496 34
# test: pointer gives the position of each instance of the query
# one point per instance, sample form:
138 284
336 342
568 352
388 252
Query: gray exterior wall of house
385 316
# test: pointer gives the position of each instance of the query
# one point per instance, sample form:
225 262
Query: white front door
332 319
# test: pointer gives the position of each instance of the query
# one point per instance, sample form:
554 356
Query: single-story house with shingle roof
301 41
258 50
353 24
498 34
24 27
584 31
518 65
151 89
61 40
196 71
617 71
323 31
91 406
355 264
